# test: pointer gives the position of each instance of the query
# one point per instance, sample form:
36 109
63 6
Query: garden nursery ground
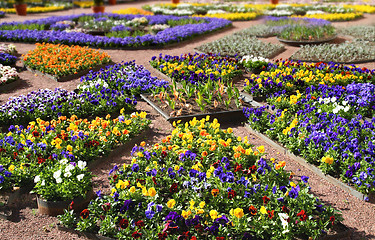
27 223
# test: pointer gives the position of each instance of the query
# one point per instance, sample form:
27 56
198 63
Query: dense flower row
36 9
2 14
100 93
169 35
291 76
232 16
335 17
135 11
197 68
203 182
7 59
26 151
62 60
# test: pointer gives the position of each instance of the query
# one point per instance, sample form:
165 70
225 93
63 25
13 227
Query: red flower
41 160
285 209
238 167
216 164
253 210
136 234
302 215
332 219
141 181
232 194
124 223
193 238
85 213
220 238
173 188
154 180
162 236
2 150
140 224
163 154
184 236
265 200
35 133
115 177
253 169
270 213
15 154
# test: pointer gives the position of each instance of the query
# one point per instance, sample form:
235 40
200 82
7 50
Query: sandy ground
28 224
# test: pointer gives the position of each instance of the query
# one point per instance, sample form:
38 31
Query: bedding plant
63 181
7 53
204 182
27 152
196 68
322 112
62 60
100 93
181 28
8 74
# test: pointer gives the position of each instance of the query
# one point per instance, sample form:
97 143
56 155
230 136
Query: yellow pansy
171 203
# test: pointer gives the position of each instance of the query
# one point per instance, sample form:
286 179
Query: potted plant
112 2
98 6
21 7
59 185
274 1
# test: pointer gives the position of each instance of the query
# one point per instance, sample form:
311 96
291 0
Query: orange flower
204 153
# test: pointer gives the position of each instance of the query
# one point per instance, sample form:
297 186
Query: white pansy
284 221
333 99
58 180
319 110
43 182
36 179
69 168
80 176
64 161
67 174
81 164
346 108
344 103
57 174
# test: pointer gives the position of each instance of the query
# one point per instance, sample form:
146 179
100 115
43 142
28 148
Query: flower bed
324 124
289 77
62 60
180 28
134 11
259 30
201 182
226 11
2 14
102 92
25 152
241 45
349 52
197 68
336 17
366 33
301 29
36 9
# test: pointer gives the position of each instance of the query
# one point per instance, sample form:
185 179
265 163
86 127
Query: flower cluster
102 92
63 60
7 54
36 9
37 31
63 181
134 11
335 17
288 76
254 63
325 121
200 182
2 14
195 68
7 74
27 151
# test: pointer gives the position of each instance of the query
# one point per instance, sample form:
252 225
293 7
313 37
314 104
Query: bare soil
28 224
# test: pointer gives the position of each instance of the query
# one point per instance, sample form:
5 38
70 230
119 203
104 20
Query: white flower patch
7 73
81 164
80 176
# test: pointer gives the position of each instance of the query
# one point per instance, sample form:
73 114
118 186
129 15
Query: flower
124 223
213 214
171 203
80 176
263 210
253 211
152 192
238 212
215 192
328 160
85 213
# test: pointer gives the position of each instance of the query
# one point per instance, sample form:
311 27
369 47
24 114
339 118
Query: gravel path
28 224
